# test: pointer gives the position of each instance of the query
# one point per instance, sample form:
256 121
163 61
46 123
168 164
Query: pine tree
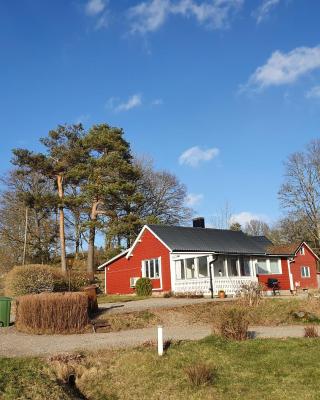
63 161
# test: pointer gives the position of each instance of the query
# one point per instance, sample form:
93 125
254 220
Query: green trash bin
5 308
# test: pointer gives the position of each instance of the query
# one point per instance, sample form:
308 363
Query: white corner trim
112 259
290 276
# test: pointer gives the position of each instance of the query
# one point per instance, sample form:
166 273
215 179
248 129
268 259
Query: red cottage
200 260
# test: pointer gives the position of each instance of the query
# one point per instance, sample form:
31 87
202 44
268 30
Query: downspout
214 259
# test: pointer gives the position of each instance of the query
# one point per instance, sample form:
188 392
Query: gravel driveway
152 302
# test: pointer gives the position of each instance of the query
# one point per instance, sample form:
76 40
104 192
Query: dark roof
185 239
288 249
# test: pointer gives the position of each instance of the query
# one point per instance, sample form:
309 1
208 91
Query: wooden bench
100 323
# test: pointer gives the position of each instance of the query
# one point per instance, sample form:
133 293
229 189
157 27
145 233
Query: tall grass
52 313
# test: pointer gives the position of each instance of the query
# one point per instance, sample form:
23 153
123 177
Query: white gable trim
112 260
138 239
308 247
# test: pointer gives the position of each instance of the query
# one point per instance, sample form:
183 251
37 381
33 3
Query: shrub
52 313
234 324
251 293
144 287
33 278
188 295
200 374
78 281
311 332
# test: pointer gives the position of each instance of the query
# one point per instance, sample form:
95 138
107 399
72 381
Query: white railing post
160 340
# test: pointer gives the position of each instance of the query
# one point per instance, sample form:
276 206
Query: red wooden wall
118 274
306 260
284 280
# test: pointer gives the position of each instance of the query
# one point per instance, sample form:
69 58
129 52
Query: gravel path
153 302
15 344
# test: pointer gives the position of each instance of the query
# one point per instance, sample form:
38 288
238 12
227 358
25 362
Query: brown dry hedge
52 313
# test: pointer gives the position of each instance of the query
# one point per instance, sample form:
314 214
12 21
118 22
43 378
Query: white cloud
194 199
195 155
313 93
133 102
285 68
245 216
95 7
263 12
149 16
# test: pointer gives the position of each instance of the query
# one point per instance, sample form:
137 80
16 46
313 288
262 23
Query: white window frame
144 268
196 267
301 251
269 267
305 268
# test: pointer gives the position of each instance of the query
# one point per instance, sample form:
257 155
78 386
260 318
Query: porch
192 273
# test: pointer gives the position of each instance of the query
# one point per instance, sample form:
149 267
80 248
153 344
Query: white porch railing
202 285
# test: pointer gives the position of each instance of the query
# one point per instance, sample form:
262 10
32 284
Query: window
218 267
244 266
232 267
305 272
151 268
301 251
180 269
190 268
261 267
270 266
203 267
275 268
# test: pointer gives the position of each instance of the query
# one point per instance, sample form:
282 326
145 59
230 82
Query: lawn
253 369
114 298
268 312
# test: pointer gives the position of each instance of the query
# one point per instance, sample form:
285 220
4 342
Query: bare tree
164 196
223 218
300 193
27 236
256 227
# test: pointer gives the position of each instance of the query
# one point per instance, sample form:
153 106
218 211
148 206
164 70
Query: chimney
198 222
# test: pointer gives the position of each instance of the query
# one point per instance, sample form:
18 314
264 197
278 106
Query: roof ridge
193 227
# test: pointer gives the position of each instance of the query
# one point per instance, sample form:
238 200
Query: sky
219 92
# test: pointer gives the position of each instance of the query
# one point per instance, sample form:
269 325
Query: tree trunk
25 238
61 225
92 234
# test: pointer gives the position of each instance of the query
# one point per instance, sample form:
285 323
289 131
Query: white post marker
160 340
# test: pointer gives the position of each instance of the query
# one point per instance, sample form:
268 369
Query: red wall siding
118 274
284 280
306 260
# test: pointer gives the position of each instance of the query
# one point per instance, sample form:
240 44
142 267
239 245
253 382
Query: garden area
213 368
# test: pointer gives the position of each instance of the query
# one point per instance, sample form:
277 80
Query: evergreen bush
144 287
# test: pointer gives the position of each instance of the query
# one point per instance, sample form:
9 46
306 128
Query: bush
33 278
234 324
251 293
200 374
52 313
144 287
311 332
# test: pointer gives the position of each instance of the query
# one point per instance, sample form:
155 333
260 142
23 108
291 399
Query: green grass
253 369
113 298
22 379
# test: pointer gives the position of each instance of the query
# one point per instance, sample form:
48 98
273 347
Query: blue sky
219 92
